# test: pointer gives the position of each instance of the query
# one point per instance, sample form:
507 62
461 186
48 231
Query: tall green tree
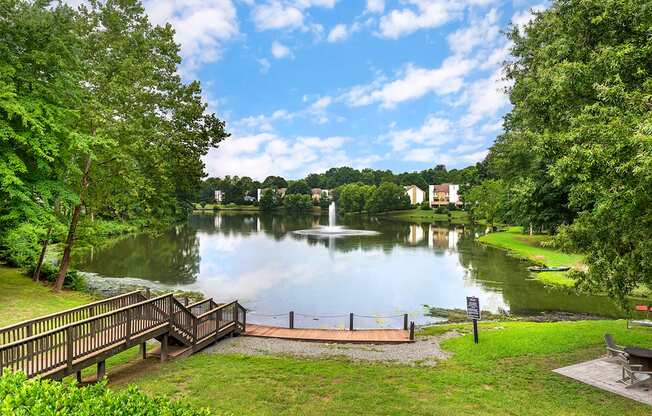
145 129
577 151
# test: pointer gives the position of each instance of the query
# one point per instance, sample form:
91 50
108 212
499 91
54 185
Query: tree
353 197
298 187
144 130
578 141
38 89
387 197
268 201
298 202
275 182
314 180
487 201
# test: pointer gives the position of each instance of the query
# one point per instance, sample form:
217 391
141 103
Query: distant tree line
235 188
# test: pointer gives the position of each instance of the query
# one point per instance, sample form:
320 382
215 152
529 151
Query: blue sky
305 85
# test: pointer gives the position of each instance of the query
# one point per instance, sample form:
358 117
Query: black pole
291 319
350 322
475 331
405 322
412 331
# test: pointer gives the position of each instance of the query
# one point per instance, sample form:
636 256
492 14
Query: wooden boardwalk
359 336
64 343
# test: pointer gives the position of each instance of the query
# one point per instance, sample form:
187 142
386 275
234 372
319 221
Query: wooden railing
66 348
47 323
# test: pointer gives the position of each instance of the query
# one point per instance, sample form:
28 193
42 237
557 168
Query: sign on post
473 313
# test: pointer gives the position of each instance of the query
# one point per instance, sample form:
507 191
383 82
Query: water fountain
332 229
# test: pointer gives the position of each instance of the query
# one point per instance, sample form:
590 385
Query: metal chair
614 350
634 376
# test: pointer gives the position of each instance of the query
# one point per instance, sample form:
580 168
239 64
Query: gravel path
425 351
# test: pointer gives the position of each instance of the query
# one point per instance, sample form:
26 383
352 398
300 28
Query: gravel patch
425 351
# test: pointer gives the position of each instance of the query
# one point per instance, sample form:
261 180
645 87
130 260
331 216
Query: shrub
441 210
19 395
49 272
21 245
452 206
425 206
298 202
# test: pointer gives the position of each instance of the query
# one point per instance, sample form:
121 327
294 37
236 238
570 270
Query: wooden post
101 370
30 350
291 319
143 349
128 325
475 331
412 331
351 322
171 301
69 349
244 320
186 301
219 319
79 376
147 293
217 324
405 322
164 348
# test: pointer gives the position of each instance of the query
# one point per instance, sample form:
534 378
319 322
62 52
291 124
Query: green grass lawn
508 373
529 247
234 207
420 216
22 299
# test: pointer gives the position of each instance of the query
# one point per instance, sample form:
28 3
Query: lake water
258 260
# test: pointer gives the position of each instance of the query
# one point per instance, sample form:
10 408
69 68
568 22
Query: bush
49 272
268 200
21 245
19 395
425 206
441 210
298 202
452 206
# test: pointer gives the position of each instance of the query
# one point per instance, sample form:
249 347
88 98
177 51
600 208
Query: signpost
473 313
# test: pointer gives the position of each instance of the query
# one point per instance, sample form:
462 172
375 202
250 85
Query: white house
219 197
416 194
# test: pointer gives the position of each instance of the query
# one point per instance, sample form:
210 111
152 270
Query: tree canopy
576 154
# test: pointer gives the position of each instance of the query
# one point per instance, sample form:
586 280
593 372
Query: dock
358 336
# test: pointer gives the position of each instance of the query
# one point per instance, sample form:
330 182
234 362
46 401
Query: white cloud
485 98
375 6
434 132
266 154
287 14
338 33
277 15
280 51
414 83
264 65
428 14
478 33
201 27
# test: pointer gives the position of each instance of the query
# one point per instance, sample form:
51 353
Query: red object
642 308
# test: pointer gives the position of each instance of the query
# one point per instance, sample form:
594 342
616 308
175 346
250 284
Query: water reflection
258 260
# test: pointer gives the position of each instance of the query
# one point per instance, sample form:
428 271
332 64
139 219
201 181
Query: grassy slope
421 216
21 298
508 373
529 247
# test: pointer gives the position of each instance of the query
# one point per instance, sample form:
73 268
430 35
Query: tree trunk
65 259
39 264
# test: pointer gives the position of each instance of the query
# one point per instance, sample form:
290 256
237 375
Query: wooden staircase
64 343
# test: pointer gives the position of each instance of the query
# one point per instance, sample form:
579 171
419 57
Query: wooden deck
64 343
359 336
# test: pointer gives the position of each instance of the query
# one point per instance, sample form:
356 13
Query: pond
262 262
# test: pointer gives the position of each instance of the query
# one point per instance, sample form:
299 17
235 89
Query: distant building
249 198
317 193
416 194
219 197
444 194
280 192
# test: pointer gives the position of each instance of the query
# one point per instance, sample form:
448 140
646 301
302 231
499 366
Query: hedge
20 396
